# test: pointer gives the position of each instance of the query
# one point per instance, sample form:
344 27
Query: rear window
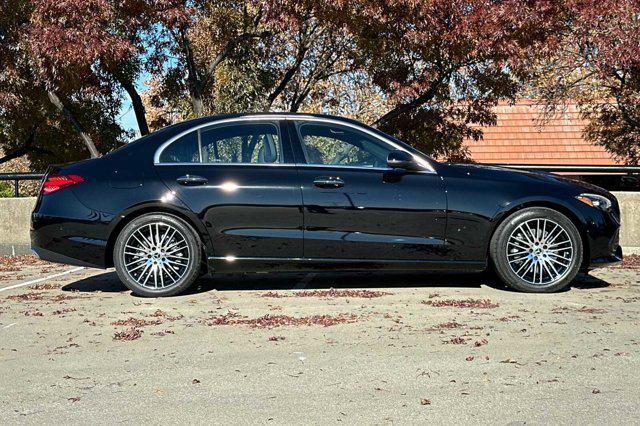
183 150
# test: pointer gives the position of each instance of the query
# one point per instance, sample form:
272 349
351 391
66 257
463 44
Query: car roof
275 115
169 131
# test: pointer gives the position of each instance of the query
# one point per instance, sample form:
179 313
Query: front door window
336 145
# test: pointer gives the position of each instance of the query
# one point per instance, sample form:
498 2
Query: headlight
594 200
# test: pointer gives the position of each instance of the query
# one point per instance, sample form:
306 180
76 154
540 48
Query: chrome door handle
328 182
191 180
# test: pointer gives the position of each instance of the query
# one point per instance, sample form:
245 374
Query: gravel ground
317 349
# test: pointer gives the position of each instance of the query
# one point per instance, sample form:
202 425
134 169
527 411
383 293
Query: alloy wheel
156 255
540 252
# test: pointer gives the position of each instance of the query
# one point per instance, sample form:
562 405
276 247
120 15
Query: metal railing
574 168
17 177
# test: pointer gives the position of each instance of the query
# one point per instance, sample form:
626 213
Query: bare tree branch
286 78
26 148
403 108
55 100
227 50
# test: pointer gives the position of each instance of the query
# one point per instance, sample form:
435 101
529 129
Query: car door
355 207
238 176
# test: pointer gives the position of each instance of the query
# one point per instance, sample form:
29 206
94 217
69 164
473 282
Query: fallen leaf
130 334
465 303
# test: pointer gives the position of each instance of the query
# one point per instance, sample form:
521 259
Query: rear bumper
52 243
65 231
51 256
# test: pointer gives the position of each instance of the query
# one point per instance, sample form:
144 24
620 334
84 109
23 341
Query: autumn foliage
426 71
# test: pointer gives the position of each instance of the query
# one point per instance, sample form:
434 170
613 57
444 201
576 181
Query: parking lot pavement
351 348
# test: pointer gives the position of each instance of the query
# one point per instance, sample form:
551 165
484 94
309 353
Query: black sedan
283 192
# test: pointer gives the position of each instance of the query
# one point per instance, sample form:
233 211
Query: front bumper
600 262
602 238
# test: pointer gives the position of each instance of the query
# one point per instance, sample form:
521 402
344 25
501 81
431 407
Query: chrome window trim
156 158
229 164
315 166
339 166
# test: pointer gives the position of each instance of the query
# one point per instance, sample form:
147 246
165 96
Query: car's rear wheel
157 255
537 249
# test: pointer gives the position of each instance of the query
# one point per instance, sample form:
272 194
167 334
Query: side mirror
399 159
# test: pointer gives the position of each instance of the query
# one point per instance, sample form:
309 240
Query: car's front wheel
157 255
537 249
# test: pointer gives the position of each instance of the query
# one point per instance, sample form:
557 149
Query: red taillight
56 182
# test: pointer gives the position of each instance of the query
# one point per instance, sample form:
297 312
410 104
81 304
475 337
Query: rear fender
174 209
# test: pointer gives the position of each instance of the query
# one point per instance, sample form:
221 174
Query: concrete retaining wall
15 215
630 218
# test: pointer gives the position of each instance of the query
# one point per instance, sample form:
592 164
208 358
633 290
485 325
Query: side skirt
279 264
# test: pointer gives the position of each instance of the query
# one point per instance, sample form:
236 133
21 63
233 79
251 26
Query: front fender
567 207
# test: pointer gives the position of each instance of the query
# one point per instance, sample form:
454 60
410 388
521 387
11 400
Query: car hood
549 178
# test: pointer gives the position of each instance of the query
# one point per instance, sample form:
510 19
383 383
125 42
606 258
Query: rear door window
242 142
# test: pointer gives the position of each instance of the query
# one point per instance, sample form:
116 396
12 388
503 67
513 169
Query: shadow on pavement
323 280
109 282
585 282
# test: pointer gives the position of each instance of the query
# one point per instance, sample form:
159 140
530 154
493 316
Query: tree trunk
195 91
196 102
198 80
138 106
194 80
55 100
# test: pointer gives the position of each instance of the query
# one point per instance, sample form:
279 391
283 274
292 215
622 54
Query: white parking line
39 280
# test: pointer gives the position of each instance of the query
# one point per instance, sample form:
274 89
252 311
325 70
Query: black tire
183 276
512 228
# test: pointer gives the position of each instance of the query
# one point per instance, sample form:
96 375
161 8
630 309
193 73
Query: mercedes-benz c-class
293 192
